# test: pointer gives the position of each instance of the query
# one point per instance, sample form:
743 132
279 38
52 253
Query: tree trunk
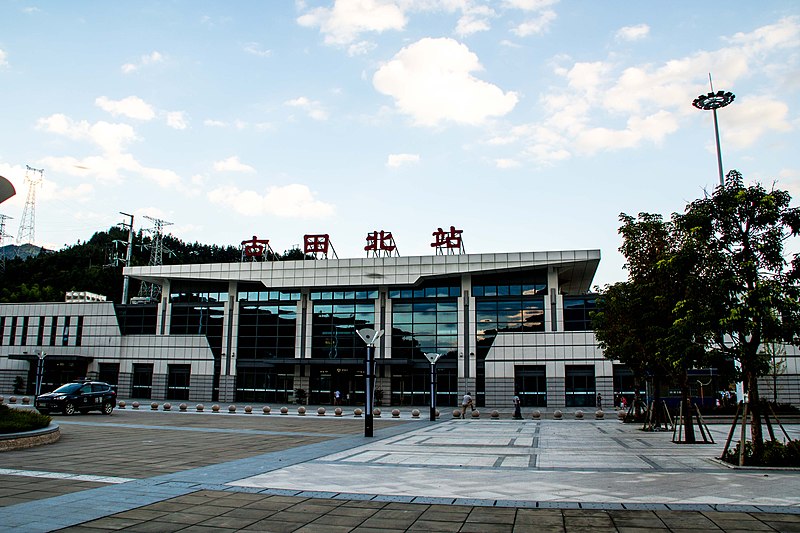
686 401
754 401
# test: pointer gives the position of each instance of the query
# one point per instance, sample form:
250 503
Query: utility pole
27 226
3 235
126 280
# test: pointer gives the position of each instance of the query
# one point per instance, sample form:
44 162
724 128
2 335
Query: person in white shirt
466 402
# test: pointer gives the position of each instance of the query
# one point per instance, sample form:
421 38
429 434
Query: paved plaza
171 471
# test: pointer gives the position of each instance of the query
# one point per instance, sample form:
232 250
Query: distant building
255 331
83 296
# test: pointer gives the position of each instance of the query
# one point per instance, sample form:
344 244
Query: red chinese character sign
448 240
256 249
381 243
318 246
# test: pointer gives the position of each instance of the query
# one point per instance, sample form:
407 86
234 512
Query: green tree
739 233
654 322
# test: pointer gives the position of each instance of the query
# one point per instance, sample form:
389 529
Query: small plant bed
18 420
775 453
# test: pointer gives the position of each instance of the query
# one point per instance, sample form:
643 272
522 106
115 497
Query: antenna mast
27 226
148 289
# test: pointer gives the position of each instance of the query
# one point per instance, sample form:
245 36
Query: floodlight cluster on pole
711 102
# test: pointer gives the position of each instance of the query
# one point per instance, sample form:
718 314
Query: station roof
576 269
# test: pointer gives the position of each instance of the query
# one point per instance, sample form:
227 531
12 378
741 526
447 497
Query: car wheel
69 408
107 408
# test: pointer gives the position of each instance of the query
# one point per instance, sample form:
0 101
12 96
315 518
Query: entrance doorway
326 380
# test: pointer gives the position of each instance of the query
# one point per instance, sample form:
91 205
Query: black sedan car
80 396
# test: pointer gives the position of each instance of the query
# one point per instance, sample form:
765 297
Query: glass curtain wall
505 304
266 345
425 320
200 312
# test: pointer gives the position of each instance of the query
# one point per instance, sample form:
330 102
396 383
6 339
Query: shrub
775 454
18 420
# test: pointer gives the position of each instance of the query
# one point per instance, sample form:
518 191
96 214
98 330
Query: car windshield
69 388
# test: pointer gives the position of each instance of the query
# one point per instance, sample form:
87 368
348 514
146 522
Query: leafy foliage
96 266
18 420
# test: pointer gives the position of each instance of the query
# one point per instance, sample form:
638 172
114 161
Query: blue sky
528 124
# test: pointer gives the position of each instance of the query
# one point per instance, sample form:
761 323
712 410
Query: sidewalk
278 473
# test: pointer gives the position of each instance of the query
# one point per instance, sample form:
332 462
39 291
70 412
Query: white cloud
431 80
214 123
131 107
748 118
111 138
474 19
506 163
3 58
605 106
256 50
398 160
232 164
289 201
633 33
145 60
176 120
312 107
347 19
113 164
529 5
537 25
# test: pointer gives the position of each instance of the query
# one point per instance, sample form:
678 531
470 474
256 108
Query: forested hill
96 266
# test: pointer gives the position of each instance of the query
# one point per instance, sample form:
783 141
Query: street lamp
711 102
432 358
40 371
369 336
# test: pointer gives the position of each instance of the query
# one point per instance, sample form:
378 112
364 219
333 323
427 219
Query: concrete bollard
284 410
536 415
337 411
154 406
248 409
120 405
167 406
183 407
200 407
301 411
579 414
231 409
320 411
215 408
415 413
266 409
395 413
557 415
135 405
495 415
357 412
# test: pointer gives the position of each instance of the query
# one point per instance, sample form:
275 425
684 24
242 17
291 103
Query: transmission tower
27 226
151 290
3 235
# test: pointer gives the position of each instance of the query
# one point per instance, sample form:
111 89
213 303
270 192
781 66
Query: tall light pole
713 101
40 372
432 358
369 336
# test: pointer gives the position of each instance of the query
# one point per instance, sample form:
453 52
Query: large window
199 313
267 330
425 320
531 385
579 386
138 319
577 311
337 317
508 303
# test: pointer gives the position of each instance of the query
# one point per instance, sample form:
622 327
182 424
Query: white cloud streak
131 107
398 160
289 201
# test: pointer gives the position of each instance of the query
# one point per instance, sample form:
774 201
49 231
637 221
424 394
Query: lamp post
711 102
40 371
432 358
369 336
